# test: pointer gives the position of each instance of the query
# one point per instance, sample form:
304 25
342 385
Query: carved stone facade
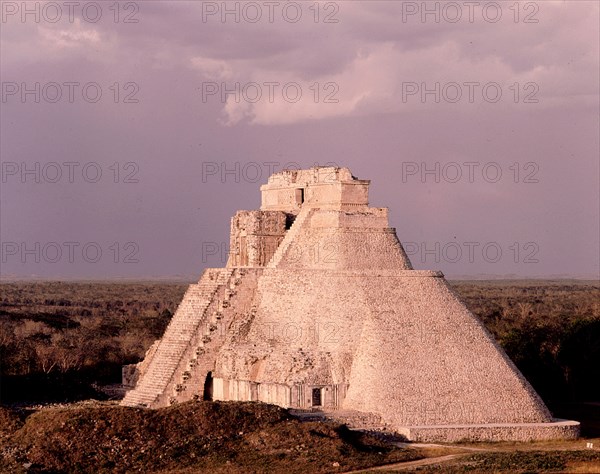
319 308
255 235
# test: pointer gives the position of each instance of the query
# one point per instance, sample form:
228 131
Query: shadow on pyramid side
319 309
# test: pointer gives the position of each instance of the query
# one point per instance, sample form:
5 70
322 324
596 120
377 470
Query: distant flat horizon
182 280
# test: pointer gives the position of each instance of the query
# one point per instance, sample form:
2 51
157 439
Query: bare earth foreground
190 437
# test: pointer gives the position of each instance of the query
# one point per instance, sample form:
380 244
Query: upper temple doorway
300 196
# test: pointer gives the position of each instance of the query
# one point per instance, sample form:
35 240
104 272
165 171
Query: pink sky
429 100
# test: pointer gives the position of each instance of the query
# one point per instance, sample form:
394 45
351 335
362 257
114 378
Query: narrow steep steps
185 322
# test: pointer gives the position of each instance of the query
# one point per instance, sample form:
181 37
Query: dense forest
58 341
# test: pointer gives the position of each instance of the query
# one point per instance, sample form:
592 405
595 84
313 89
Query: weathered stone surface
319 308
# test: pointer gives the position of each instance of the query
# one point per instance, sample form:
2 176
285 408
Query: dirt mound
10 421
227 437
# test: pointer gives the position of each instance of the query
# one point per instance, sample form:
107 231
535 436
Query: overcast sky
131 132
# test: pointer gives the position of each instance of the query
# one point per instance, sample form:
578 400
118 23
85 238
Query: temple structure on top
319 308
325 188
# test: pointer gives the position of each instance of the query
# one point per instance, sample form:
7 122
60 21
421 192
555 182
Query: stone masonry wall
441 365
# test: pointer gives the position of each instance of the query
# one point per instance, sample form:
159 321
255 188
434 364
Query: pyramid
319 308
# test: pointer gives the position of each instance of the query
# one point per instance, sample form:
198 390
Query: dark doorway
316 397
299 196
289 220
208 388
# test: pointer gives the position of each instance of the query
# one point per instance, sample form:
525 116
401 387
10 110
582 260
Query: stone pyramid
319 309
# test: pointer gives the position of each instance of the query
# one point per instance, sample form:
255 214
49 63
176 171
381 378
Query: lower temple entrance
316 397
207 393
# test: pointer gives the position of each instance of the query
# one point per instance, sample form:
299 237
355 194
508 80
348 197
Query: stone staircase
190 314
290 236
199 357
